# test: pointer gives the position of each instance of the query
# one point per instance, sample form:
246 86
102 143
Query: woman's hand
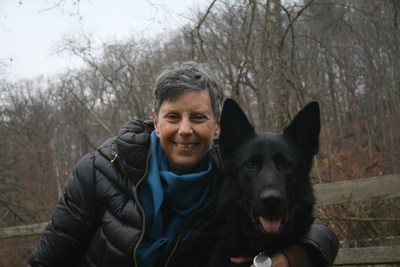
241 260
278 260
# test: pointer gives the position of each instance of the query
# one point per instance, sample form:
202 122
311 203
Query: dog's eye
250 165
284 165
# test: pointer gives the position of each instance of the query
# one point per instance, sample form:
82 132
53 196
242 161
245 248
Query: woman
146 197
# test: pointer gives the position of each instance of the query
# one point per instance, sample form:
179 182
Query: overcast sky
29 31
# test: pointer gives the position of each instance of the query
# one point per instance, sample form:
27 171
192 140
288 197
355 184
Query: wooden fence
326 194
382 187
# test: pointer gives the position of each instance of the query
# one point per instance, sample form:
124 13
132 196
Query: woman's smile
185 146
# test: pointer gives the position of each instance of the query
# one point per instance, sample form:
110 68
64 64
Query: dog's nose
271 197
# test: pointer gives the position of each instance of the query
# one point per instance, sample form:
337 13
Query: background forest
272 56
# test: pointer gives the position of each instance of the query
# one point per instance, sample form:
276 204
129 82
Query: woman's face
186 128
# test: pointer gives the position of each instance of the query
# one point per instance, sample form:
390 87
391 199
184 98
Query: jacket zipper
193 215
180 234
140 207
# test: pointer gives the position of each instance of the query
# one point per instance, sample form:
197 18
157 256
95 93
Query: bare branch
197 30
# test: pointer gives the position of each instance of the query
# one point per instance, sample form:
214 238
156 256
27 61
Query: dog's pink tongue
271 226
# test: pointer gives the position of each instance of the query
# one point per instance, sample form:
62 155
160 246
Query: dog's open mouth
270 226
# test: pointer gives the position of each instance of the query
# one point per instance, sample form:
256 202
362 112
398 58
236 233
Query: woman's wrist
280 260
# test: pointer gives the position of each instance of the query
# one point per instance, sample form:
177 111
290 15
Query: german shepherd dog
266 198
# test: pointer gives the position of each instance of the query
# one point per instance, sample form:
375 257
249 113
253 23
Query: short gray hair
180 77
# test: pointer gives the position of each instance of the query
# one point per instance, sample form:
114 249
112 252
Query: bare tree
27 125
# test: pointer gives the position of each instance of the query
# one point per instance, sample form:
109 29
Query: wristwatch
262 260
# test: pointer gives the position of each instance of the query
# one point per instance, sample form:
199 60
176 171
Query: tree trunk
276 57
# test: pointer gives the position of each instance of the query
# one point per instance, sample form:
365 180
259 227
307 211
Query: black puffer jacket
99 220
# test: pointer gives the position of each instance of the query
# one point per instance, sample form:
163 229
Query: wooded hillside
272 56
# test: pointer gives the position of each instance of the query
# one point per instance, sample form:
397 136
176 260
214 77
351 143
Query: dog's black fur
266 198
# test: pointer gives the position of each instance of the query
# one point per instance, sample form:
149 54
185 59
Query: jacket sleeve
319 247
73 221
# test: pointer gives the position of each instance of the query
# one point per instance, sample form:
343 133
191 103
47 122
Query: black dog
266 198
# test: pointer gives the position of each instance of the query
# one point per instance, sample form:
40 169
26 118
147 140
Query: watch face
262 260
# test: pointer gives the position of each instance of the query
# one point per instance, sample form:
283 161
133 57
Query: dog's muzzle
270 212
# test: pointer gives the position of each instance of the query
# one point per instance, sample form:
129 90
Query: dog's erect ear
305 128
235 127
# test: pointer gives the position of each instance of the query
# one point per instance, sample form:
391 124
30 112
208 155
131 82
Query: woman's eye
199 118
172 117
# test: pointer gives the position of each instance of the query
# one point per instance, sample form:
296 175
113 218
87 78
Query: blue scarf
180 194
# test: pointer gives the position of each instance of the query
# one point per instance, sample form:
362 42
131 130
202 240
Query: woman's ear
155 121
217 129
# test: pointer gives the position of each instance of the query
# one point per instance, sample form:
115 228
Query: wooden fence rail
327 194
368 256
358 190
22 230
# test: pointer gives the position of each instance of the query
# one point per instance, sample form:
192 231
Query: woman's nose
185 127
